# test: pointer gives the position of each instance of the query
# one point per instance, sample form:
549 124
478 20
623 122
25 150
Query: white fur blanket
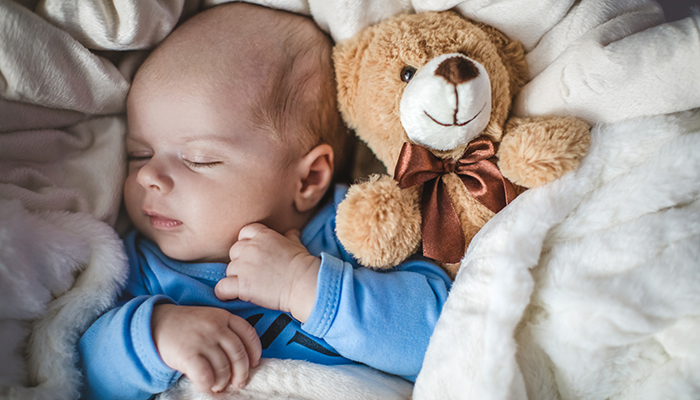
584 289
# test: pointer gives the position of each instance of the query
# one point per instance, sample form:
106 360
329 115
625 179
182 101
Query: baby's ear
315 173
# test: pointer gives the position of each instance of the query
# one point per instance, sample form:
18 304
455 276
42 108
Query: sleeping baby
233 141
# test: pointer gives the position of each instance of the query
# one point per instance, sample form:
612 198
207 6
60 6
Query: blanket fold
45 66
61 173
113 25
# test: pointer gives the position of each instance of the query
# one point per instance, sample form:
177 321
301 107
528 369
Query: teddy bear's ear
512 54
347 57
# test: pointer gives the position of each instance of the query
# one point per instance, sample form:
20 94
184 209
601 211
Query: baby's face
199 171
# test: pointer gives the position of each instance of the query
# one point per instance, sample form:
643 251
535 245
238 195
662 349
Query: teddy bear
431 94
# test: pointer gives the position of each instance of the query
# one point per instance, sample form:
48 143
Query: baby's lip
161 222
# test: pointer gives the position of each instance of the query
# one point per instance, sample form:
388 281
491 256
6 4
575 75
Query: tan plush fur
538 150
380 223
390 217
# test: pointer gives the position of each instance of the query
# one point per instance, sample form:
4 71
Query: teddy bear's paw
379 223
536 151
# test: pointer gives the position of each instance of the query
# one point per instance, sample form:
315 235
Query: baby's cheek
132 199
219 244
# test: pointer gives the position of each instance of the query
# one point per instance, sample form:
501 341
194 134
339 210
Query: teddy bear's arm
535 151
379 223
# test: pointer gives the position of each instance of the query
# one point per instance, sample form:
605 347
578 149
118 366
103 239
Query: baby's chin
183 252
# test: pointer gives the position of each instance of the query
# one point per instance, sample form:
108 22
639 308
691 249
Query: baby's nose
152 176
457 70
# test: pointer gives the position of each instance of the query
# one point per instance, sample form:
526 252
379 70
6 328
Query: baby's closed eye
196 161
195 164
141 155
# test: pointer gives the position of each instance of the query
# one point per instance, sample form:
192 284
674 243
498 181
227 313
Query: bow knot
449 166
443 238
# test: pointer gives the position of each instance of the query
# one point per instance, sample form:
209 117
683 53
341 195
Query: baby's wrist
303 294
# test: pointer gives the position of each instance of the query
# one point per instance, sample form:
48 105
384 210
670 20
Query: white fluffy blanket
584 289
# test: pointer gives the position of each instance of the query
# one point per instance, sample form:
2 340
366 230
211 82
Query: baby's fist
272 270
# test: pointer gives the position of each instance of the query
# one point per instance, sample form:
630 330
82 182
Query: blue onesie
382 319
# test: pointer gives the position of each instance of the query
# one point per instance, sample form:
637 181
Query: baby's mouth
160 222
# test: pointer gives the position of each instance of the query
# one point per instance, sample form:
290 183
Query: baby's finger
240 364
227 288
236 249
249 231
237 354
247 334
200 373
219 362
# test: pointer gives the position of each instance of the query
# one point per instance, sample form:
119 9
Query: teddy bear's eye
407 73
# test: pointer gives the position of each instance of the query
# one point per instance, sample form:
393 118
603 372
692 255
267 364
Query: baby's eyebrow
131 138
208 138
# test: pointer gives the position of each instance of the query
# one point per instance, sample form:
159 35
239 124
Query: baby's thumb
227 288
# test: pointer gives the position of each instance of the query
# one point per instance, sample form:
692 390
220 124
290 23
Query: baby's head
232 120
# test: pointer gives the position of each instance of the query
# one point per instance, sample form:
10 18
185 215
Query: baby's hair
300 106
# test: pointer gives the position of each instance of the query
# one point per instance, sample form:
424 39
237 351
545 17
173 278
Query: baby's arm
382 319
120 357
117 356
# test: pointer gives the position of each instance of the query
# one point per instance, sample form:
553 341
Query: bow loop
477 150
443 238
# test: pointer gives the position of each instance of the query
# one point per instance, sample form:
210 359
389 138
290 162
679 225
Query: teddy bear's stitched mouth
455 123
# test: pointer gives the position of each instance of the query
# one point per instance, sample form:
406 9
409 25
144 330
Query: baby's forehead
242 55
246 65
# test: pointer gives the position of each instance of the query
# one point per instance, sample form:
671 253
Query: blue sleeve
118 356
382 319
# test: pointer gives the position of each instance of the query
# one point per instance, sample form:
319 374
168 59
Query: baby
233 140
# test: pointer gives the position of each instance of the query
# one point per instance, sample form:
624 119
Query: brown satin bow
443 239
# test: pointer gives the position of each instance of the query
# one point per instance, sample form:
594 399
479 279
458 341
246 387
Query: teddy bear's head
434 78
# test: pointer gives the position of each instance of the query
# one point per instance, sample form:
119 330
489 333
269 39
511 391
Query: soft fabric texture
601 266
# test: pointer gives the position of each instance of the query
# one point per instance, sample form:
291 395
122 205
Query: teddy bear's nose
457 70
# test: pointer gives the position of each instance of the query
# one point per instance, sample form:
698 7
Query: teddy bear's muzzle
447 103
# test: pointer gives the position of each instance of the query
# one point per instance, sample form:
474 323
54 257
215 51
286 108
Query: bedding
583 289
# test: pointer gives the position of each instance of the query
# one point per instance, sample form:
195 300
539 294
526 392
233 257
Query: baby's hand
211 346
272 271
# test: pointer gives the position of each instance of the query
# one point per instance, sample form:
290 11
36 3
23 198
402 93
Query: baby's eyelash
131 157
193 164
